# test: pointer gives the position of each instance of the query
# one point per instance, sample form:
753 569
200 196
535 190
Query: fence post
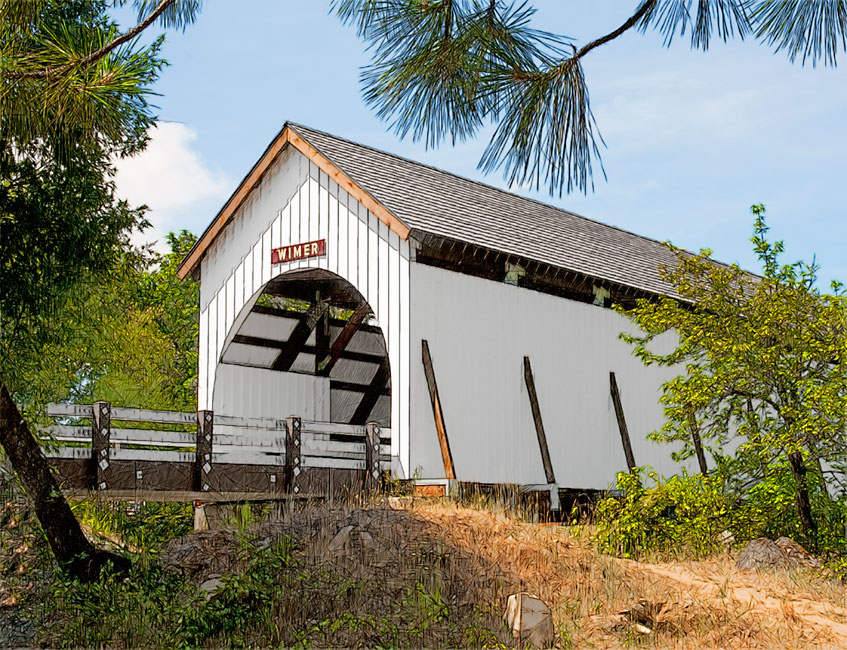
292 454
372 451
101 430
203 453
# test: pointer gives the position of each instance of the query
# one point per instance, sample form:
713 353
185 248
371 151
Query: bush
683 515
686 516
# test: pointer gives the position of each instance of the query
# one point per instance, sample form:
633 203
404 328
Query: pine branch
631 22
100 52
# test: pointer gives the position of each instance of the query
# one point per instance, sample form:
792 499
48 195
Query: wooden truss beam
376 389
299 315
327 363
299 336
529 380
437 413
352 387
321 340
260 342
616 400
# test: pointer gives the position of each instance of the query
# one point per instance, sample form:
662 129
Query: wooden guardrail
101 434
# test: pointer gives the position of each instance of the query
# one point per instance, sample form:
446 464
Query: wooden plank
298 315
247 456
298 337
184 496
376 389
529 380
273 344
74 453
248 439
312 426
334 463
321 341
70 410
158 455
101 423
203 450
698 446
153 438
267 424
155 417
339 345
352 387
293 449
70 433
622 428
312 447
437 413
123 413
372 457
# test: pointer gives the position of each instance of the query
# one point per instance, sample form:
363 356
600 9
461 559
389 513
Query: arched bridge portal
308 344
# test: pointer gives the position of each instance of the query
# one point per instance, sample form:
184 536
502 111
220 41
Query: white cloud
181 189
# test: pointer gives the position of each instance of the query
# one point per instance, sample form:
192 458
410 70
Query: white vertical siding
479 331
294 203
241 390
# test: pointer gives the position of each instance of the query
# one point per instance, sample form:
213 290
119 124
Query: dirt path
759 593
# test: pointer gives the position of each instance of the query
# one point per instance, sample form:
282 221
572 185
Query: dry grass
475 558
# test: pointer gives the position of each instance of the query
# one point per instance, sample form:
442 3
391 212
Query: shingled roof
429 200
421 199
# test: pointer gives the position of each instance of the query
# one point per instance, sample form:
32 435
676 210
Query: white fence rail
104 434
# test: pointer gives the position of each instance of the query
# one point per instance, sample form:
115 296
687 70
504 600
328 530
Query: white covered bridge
345 285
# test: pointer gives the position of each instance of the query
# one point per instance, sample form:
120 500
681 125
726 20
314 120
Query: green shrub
681 515
687 516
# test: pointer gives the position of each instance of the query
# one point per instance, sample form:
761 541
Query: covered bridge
348 285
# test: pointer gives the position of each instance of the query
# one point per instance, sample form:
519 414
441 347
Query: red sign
298 251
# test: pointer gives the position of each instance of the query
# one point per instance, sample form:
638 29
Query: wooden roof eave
287 136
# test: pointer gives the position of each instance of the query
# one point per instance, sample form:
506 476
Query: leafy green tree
73 96
145 353
763 360
442 69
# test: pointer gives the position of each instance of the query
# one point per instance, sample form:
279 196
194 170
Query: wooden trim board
622 428
437 413
288 136
529 380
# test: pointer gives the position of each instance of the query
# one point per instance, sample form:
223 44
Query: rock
763 553
796 555
337 543
211 586
727 539
760 553
530 620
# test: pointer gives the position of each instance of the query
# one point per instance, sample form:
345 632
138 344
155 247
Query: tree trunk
801 497
72 549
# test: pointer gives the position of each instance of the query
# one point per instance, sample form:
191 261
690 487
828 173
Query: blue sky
693 138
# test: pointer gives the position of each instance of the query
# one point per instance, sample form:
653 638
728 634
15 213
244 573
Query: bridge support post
372 452
293 450
203 453
101 431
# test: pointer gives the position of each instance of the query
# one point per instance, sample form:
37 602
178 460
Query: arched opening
309 345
